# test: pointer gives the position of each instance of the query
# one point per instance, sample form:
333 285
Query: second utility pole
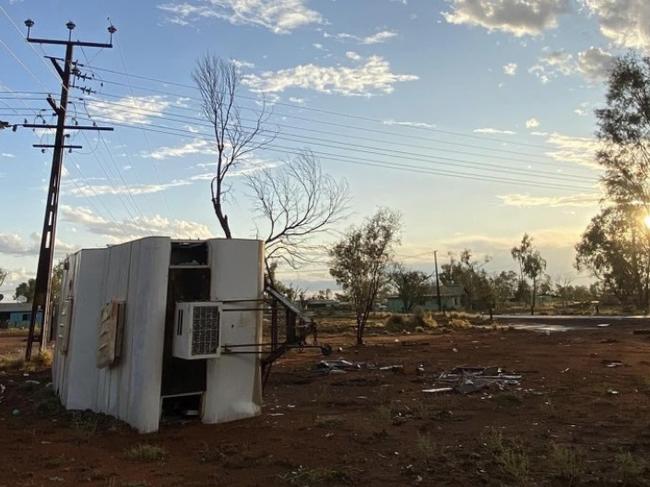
435 259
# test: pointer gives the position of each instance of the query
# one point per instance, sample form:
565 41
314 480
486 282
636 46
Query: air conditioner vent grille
205 330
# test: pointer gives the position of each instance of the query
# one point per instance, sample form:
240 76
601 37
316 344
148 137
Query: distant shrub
419 320
146 452
459 323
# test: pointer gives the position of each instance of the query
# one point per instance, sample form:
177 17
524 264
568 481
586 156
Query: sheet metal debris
335 366
612 363
466 380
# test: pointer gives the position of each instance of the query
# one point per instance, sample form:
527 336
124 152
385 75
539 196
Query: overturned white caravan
142 327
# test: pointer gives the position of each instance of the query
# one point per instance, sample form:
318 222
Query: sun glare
646 220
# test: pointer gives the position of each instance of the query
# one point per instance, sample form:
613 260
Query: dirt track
372 427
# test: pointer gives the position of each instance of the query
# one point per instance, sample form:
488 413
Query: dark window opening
181 407
189 253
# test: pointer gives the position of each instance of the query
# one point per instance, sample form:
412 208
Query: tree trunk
360 327
223 219
532 306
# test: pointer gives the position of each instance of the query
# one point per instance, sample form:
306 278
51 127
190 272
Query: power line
201 122
355 148
292 150
300 106
530 158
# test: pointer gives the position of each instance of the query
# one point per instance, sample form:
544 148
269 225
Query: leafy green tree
360 263
615 247
468 273
56 282
501 288
3 276
531 265
534 269
26 290
411 286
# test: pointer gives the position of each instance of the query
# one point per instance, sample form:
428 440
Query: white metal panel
149 273
234 381
81 376
135 272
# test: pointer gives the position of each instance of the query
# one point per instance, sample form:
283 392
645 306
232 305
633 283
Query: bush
146 452
420 319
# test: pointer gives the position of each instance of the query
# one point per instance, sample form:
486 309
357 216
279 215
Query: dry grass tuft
146 452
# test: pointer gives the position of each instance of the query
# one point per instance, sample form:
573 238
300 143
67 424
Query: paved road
571 322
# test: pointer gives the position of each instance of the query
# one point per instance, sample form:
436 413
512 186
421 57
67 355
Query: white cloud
379 37
87 190
376 38
14 244
139 227
353 55
574 200
278 16
373 76
517 17
548 238
532 123
493 131
196 146
625 22
579 150
406 123
510 69
239 64
7 154
593 63
581 111
130 109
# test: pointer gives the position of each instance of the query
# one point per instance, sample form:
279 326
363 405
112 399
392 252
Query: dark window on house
25 316
189 253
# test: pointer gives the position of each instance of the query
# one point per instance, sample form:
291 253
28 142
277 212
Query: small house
451 298
15 315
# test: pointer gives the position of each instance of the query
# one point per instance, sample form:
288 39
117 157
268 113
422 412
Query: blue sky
490 90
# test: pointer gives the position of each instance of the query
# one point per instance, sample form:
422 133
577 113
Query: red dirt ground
371 427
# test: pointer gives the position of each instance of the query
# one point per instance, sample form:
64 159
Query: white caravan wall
137 273
234 384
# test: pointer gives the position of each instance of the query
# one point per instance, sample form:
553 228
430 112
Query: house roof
15 307
445 291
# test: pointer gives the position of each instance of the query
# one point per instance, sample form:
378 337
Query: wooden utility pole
435 259
41 300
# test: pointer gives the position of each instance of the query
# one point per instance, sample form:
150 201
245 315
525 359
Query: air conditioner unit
197 330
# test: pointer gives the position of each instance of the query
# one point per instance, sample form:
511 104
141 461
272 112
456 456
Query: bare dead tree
218 81
297 201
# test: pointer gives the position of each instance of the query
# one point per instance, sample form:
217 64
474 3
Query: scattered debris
603 325
612 363
437 390
613 392
392 368
420 370
15 412
565 370
467 380
335 366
